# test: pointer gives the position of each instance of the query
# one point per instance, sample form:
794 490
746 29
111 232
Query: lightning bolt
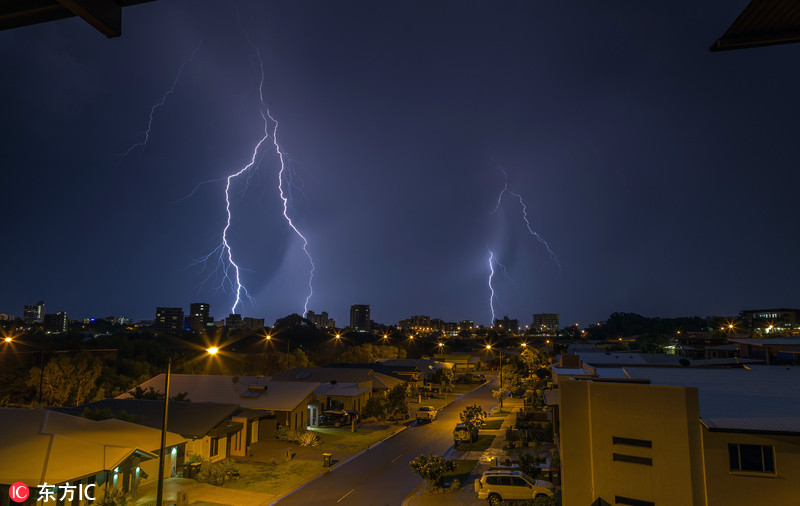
231 272
160 104
539 238
522 204
285 200
491 287
224 254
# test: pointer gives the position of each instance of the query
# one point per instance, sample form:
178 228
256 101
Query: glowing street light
160 490
489 347
9 340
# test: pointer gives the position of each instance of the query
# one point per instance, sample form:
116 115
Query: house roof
189 419
38 445
342 389
775 341
253 392
758 398
341 374
762 23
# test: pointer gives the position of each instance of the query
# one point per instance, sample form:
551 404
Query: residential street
381 476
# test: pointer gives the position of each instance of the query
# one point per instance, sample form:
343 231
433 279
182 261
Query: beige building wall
656 456
741 487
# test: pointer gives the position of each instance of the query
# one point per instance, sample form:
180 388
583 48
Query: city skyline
651 167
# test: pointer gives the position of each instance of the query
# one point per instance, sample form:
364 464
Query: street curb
334 468
413 493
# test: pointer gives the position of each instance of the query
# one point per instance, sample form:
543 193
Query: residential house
213 431
280 403
40 447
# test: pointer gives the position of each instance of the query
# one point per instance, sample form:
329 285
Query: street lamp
489 347
9 340
160 491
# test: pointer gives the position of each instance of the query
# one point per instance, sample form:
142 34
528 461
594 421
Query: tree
67 380
432 468
375 407
444 377
367 353
473 416
533 359
153 394
396 401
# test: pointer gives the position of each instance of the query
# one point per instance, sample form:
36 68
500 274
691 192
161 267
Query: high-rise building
507 324
254 324
359 317
56 322
545 323
234 321
169 320
34 313
466 325
199 318
322 320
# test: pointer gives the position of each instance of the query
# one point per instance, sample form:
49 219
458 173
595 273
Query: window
619 457
518 482
643 443
214 447
754 458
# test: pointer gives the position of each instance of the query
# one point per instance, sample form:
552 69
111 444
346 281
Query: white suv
498 486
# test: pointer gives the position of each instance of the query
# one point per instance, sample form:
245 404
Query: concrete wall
595 466
742 487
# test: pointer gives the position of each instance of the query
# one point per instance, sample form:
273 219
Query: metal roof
38 445
277 396
762 23
189 419
758 399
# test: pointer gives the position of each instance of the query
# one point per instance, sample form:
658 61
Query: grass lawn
493 424
463 468
483 442
258 477
345 441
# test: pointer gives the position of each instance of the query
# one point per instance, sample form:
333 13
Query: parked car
470 378
464 433
426 414
503 485
334 418
353 415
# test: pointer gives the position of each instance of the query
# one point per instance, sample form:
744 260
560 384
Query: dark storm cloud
660 173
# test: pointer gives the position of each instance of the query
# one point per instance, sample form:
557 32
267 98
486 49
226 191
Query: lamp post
500 350
160 490
9 339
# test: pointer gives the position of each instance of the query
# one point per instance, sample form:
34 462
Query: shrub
375 407
432 468
217 473
115 497
308 438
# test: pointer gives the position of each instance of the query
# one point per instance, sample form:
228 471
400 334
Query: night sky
663 176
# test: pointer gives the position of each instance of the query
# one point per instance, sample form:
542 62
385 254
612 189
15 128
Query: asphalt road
381 476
